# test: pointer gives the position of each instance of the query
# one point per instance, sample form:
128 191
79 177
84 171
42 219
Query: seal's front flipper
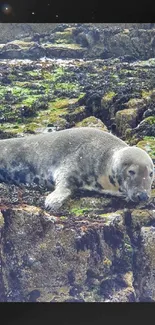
55 200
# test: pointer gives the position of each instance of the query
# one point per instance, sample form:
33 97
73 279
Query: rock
10 51
125 119
34 52
64 51
148 144
146 127
22 50
50 271
91 121
99 40
144 280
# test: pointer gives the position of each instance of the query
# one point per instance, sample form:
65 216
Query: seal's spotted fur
78 158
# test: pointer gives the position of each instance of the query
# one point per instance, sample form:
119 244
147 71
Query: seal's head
134 172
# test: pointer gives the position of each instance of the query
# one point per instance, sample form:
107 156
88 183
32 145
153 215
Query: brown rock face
90 257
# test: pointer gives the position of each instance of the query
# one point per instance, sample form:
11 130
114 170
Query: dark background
35 11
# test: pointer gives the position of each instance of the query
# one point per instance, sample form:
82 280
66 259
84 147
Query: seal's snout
143 196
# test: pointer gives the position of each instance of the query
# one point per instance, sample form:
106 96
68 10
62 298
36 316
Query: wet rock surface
98 248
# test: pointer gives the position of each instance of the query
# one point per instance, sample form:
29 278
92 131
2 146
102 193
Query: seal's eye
151 174
131 172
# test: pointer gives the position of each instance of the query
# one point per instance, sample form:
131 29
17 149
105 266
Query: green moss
46 86
91 121
66 86
18 91
33 73
86 121
149 138
109 96
82 95
94 75
121 83
132 102
52 76
23 44
115 76
79 212
59 104
127 112
11 77
30 100
31 127
79 109
63 218
71 46
9 127
148 144
146 93
150 120
64 36
50 116
3 91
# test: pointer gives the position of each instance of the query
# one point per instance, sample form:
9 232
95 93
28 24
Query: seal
74 159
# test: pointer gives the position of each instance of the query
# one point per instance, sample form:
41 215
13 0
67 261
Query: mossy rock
63 37
146 93
31 127
150 120
148 144
63 46
136 103
125 119
141 218
77 115
147 254
11 129
65 86
63 103
91 206
107 104
50 116
146 127
92 121
108 96
33 120
23 44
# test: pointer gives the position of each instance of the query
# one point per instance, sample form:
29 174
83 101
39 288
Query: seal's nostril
143 196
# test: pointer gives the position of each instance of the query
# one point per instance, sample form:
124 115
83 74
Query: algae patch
79 212
109 96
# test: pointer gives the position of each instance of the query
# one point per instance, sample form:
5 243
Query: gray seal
78 158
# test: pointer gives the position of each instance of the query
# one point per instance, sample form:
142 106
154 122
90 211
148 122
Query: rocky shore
69 75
